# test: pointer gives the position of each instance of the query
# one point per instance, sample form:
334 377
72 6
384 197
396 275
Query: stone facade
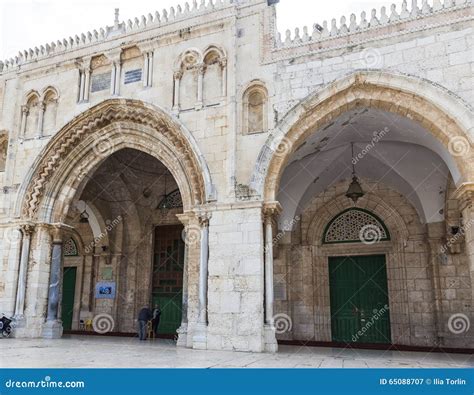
252 129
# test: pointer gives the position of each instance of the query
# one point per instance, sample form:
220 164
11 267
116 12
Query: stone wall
301 269
198 66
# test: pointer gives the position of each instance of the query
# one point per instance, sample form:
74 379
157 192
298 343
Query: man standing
156 319
143 317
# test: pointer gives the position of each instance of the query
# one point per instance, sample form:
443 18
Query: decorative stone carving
350 224
99 117
70 248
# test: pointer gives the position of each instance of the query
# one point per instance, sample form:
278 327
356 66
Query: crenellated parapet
394 16
148 22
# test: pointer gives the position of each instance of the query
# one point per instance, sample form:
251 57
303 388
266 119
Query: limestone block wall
431 42
301 270
434 45
235 304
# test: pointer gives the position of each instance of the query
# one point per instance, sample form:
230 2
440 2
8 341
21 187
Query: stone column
435 241
200 334
81 85
27 231
145 69
150 69
118 73
13 236
183 329
39 130
201 71
270 212
87 79
113 73
223 64
465 196
177 79
24 113
53 327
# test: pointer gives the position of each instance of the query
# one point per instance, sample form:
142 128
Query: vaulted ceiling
388 148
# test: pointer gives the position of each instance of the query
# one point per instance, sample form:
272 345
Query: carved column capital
115 56
465 195
186 218
27 229
58 231
271 210
203 218
223 62
201 68
25 109
177 75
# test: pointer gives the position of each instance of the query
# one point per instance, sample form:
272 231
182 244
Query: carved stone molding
271 210
97 118
465 195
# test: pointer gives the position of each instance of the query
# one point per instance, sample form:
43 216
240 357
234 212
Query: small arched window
32 105
50 109
70 248
186 77
214 79
255 109
355 225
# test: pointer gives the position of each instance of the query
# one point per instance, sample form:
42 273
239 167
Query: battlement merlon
179 19
162 24
430 14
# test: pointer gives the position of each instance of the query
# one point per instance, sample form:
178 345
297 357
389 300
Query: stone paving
108 352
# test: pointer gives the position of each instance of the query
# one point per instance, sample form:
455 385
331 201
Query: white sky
29 23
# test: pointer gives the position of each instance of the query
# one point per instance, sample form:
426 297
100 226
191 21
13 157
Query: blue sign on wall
105 290
133 76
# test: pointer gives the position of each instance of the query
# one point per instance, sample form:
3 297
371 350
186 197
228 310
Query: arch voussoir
160 131
437 112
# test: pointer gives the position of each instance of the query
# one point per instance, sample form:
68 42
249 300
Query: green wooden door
359 299
69 289
168 277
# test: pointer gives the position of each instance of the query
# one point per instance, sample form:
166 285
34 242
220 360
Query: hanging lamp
354 192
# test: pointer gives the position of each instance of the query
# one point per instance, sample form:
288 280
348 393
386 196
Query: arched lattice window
172 200
355 225
70 248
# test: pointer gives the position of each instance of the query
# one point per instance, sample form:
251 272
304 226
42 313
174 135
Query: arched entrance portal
115 175
412 151
137 258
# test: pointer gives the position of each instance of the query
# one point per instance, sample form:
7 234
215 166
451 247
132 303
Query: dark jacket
145 314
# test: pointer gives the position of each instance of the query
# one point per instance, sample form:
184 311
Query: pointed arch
447 117
81 146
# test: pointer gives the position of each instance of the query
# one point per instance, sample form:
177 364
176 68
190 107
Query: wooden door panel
168 276
359 299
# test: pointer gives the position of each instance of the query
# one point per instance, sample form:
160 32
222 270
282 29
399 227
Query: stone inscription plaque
100 82
133 76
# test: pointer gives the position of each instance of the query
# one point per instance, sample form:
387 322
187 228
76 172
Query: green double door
359 299
167 290
67 304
